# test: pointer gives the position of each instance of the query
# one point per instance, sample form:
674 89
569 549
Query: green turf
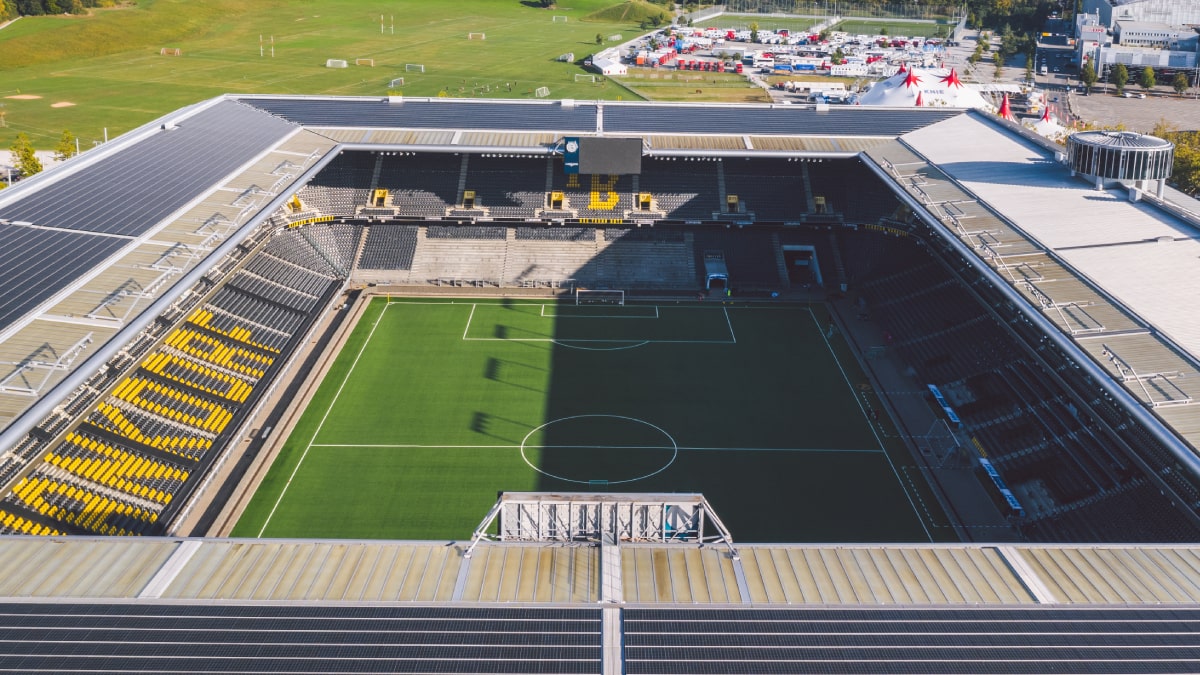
108 64
433 407
905 28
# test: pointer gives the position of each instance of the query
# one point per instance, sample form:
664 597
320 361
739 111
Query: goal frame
585 77
476 36
414 67
618 296
364 62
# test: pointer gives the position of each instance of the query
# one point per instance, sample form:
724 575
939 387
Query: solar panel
867 640
431 114
128 192
791 120
164 638
35 264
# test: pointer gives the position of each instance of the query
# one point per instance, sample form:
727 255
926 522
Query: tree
1029 67
838 57
1088 76
599 39
754 31
999 71
1120 77
23 156
66 146
1147 78
1180 83
1185 173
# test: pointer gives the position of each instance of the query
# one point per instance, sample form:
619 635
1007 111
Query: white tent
1048 126
607 66
933 87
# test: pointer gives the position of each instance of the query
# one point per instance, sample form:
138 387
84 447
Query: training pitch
432 407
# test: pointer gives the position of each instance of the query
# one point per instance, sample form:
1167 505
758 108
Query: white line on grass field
875 433
568 315
322 422
730 324
415 446
472 316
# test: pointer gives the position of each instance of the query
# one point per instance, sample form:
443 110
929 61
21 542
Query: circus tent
930 87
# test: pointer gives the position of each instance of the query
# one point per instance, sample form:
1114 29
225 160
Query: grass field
905 28
670 85
105 70
432 407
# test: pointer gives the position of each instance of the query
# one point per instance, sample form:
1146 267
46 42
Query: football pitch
433 407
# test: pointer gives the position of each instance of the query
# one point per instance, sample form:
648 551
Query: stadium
434 385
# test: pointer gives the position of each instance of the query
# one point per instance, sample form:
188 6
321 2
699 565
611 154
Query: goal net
414 67
580 77
476 36
558 18
364 62
542 92
589 297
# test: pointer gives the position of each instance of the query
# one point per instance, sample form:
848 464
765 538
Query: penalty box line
657 314
471 317
418 446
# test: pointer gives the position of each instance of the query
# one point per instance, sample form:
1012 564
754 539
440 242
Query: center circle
611 449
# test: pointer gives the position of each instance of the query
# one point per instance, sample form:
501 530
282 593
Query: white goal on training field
398 82
542 92
589 297
476 36
364 62
559 18
414 67
582 77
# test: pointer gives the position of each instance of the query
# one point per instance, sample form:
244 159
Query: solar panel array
130 191
36 263
617 118
430 114
802 120
168 638
987 640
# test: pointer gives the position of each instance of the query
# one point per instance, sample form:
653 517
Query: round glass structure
1120 155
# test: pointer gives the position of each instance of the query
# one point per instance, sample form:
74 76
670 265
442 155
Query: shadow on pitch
510 372
500 428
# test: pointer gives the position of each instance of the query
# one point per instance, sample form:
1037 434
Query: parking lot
1137 114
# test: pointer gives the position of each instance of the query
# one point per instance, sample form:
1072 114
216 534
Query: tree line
10 9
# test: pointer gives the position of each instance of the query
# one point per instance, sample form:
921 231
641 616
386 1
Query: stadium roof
131 226
173 605
1110 274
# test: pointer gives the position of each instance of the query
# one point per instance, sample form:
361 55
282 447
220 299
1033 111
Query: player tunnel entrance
716 272
802 264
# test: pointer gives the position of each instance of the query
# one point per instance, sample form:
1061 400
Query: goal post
542 92
585 77
476 36
596 297
559 18
414 67
364 62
